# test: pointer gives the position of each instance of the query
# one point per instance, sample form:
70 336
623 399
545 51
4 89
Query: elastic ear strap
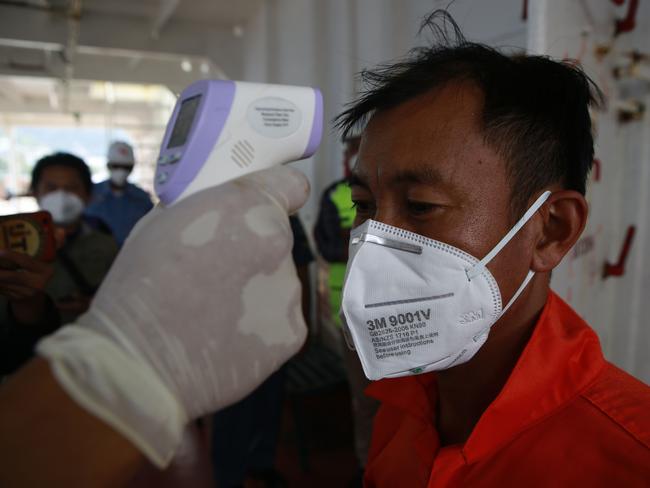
529 277
480 266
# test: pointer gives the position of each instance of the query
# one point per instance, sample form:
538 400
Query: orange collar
561 359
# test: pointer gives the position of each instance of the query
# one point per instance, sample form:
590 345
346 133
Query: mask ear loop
479 268
521 288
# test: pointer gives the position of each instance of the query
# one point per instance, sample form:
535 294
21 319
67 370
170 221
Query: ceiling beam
43 29
7 95
165 12
163 71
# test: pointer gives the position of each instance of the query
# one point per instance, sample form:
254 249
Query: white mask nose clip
386 242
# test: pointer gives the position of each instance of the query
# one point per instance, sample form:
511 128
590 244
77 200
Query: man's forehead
434 138
61 173
435 112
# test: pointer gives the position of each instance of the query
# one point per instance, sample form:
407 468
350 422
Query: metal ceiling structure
109 64
168 42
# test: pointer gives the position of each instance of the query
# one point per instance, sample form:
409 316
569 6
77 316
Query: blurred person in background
245 435
332 234
62 185
116 201
332 231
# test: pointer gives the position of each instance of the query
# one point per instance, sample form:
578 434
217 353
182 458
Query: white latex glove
201 305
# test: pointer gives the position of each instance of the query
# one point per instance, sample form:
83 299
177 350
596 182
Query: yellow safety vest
341 197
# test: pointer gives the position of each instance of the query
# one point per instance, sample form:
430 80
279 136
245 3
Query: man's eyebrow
424 174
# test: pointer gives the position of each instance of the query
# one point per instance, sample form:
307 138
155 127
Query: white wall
613 306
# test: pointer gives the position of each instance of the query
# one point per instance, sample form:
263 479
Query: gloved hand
201 305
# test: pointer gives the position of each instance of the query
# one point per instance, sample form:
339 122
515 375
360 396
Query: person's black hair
62 159
535 110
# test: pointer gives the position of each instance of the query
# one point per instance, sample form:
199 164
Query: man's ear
564 218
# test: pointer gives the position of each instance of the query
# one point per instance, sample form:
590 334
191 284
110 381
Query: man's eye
361 206
421 208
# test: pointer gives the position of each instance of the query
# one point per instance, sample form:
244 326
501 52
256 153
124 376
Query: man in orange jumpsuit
460 141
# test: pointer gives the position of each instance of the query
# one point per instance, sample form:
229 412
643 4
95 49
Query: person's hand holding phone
22 281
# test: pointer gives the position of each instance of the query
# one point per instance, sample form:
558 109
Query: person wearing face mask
470 189
62 185
116 201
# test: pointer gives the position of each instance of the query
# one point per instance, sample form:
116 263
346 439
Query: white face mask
65 207
413 304
119 176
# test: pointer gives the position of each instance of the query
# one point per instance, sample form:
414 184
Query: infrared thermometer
221 130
